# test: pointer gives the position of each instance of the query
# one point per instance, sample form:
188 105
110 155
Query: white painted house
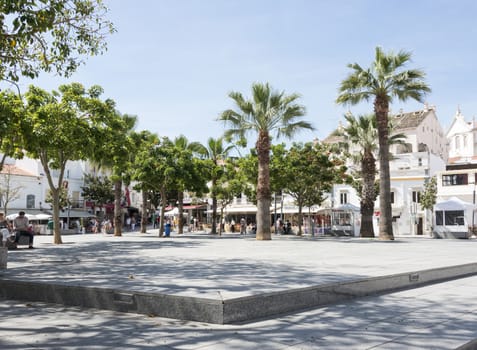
459 177
413 163
28 175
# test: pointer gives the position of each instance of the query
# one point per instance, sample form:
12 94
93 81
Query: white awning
241 209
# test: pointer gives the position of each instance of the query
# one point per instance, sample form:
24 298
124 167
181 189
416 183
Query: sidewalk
439 316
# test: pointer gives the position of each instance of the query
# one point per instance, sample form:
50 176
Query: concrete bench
11 244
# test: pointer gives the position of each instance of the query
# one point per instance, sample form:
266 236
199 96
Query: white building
459 177
29 177
422 156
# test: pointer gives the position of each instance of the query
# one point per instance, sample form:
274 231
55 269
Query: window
419 162
392 197
416 196
454 180
454 217
341 219
30 201
450 217
343 197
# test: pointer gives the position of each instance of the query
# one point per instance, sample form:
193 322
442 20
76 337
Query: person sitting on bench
21 226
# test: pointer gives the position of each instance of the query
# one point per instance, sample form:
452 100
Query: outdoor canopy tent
454 218
31 217
172 212
345 219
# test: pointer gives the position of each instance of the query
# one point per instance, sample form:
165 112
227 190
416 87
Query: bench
11 244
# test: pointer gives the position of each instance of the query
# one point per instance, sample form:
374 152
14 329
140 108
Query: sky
172 63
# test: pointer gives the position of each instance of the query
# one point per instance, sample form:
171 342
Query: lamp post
275 212
473 209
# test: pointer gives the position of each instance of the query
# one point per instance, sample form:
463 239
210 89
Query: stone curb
243 309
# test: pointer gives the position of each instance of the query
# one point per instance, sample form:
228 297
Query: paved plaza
436 316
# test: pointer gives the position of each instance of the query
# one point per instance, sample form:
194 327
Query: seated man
20 225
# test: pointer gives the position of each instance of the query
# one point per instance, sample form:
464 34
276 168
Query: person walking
243 226
133 223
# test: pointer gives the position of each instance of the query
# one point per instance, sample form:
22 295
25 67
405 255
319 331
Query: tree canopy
53 35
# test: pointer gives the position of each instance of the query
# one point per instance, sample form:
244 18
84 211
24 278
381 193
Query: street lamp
473 202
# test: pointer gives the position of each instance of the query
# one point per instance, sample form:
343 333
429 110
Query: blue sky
173 62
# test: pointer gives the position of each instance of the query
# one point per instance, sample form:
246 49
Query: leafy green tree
154 168
98 189
317 172
54 35
11 111
143 140
63 200
386 79
229 185
59 127
114 150
214 155
428 198
265 113
143 170
189 175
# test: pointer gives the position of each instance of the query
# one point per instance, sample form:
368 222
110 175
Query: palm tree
384 80
216 152
267 112
362 133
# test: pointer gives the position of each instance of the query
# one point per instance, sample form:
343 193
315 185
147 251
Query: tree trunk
381 108
263 187
118 221
368 196
55 194
214 209
221 228
300 219
145 208
180 220
163 209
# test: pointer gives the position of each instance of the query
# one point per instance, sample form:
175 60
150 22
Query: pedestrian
243 226
95 225
133 223
232 226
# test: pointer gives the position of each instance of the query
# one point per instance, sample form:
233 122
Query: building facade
422 155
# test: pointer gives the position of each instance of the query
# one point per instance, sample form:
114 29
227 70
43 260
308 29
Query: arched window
30 201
